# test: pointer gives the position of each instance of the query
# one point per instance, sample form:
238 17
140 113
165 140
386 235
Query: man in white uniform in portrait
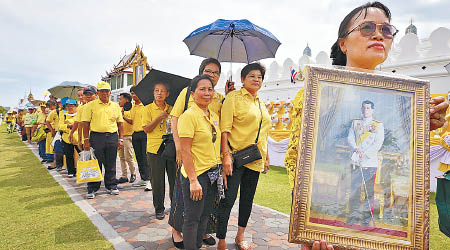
366 136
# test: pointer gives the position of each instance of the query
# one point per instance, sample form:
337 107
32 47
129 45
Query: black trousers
196 213
358 209
247 179
158 167
70 161
105 149
139 141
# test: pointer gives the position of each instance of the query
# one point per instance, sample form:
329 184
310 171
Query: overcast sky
46 42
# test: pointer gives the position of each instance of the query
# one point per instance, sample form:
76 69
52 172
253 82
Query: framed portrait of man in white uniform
363 168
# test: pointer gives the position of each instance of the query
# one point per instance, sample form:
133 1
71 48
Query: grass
273 191
36 212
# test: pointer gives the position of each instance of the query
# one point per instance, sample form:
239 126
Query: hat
103 85
71 101
64 100
89 90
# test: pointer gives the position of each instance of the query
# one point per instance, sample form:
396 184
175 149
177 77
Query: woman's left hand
320 245
266 166
437 112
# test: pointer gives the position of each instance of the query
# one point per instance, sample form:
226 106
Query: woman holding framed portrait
365 37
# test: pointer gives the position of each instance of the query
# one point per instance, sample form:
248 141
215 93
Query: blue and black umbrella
232 41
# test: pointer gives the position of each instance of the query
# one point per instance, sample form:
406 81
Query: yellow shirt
196 125
9 118
30 119
41 117
127 127
103 118
53 119
178 107
290 160
136 116
79 112
240 117
64 121
154 138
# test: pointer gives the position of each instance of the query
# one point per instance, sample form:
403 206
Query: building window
129 79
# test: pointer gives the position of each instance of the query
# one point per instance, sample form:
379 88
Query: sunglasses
368 28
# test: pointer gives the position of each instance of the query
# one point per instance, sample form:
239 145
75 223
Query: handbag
167 149
443 202
88 169
39 134
250 153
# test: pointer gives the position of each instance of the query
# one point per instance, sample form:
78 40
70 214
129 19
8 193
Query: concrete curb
103 226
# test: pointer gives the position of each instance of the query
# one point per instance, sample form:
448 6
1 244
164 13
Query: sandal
244 245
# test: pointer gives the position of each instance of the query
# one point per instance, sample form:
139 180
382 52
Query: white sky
46 42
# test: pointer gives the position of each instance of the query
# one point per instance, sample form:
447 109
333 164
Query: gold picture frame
377 199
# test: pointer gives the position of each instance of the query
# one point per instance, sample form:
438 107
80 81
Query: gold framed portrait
362 179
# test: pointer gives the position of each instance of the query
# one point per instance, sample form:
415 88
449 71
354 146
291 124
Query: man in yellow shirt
103 119
42 115
155 119
52 124
126 153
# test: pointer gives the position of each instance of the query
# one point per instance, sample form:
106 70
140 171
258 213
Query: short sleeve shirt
178 107
196 125
154 138
103 117
136 116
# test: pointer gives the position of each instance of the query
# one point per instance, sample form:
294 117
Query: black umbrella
144 90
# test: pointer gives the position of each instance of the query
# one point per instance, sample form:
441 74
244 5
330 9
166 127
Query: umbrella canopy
144 90
67 88
232 41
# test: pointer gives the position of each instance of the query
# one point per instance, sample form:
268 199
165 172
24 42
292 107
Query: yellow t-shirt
136 116
64 121
103 118
178 107
127 127
41 117
240 117
10 118
196 125
154 138
79 112
53 119
290 161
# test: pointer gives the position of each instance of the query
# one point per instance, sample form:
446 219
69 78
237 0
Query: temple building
127 72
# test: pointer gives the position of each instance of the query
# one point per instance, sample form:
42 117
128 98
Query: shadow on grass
40 196
50 203
70 233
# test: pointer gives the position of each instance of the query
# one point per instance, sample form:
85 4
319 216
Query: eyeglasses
209 72
368 28
214 133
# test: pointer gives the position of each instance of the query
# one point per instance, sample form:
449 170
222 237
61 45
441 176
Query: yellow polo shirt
178 107
196 125
127 127
79 112
136 116
41 117
53 119
154 138
64 121
240 117
103 118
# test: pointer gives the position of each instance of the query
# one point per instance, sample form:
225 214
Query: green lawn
273 191
36 212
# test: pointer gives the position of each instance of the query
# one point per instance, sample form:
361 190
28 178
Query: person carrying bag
88 169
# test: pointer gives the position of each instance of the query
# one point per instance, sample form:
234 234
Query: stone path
132 216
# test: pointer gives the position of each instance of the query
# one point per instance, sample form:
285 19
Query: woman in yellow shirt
65 125
199 135
244 122
154 119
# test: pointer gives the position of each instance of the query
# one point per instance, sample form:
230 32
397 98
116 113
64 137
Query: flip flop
244 245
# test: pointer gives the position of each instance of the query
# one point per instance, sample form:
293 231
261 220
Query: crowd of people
209 130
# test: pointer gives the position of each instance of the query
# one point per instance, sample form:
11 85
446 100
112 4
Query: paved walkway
131 215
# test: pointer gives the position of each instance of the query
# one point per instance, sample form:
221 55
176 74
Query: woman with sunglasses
365 37
244 121
199 133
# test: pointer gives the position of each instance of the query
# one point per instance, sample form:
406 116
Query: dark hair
253 66
126 96
197 79
163 83
206 62
51 103
368 102
338 57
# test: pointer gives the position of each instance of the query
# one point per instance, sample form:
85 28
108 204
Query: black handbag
250 153
167 150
